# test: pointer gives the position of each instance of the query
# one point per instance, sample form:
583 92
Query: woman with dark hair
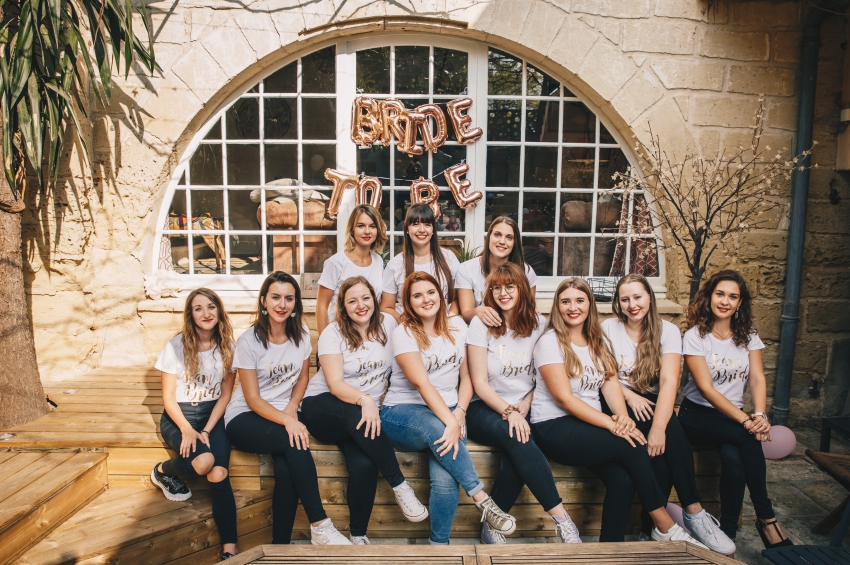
425 406
421 252
342 403
574 359
500 362
648 351
273 359
503 244
365 237
197 382
723 353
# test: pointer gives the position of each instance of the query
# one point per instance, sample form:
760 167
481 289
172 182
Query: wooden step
131 526
39 490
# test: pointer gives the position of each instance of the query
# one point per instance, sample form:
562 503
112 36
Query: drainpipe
797 232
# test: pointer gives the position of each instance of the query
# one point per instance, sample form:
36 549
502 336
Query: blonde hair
647 367
600 349
412 321
380 240
222 334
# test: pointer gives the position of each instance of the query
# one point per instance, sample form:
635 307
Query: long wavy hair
222 334
516 256
293 327
412 321
647 367
525 313
701 316
349 332
380 240
600 348
422 214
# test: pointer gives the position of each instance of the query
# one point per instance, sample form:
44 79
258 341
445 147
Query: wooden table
829 424
838 467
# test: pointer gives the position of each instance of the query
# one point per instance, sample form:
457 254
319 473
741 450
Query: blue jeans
413 427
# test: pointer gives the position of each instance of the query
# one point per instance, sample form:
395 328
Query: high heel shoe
762 526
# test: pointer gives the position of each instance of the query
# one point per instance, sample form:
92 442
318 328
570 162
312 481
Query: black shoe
172 487
225 556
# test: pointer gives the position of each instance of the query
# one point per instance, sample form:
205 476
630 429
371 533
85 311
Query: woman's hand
460 416
297 431
488 315
449 440
370 417
524 407
759 427
642 407
517 423
657 441
291 410
622 424
187 443
620 428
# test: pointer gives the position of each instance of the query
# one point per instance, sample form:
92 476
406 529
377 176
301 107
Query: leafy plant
465 251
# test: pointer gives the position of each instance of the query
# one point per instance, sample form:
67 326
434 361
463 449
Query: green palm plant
53 53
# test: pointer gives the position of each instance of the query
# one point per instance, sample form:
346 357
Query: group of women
427 352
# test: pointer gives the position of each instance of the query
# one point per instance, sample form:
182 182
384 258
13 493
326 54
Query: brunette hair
647 367
701 316
516 257
293 327
525 314
349 332
380 240
423 214
600 348
412 321
222 334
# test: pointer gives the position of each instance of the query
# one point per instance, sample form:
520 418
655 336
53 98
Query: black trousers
675 468
221 493
294 471
331 420
741 461
623 469
521 463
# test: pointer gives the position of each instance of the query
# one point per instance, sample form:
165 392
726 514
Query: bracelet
756 414
461 407
359 400
747 419
204 432
296 396
507 411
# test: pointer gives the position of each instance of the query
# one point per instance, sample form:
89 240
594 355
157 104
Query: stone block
659 36
690 74
766 316
230 49
611 30
827 250
737 45
827 315
170 112
201 73
778 142
614 8
712 12
260 31
824 282
771 14
508 19
667 122
541 26
782 115
637 96
709 142
761 80
811 356
786 46
572 43
772 280
725 111
837 381
167 27
606 69
763 245
827 218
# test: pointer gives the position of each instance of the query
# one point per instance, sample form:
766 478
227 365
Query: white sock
404 484
482 501
698 514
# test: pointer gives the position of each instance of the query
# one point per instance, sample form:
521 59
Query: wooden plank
31 473
248 546
153 384
15 464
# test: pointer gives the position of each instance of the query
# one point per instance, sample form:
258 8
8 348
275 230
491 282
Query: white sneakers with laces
706 528
498 519
360 540
675 533
567 530
489 536
326 534
410 506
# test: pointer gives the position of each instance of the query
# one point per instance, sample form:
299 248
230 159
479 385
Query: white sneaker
490 536
360 540
567 531
706 528
500 520
326 534
675 533
410 506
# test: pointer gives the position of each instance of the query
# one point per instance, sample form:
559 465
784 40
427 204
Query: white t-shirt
201 387
394 275
625 350
510 362
729 365
471 276
442 362
277 369
585 387
368 369
339 268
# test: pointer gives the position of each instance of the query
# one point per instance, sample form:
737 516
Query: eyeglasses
509 288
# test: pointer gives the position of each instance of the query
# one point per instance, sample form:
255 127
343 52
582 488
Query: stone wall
695 69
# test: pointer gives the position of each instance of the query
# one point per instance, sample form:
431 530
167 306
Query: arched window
249 195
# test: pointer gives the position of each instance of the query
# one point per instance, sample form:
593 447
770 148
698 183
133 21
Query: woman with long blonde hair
648 353
575 363
425 406
197 383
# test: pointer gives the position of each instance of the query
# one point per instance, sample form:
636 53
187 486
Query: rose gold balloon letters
394 117
342 182
460 188
365 184
438 137
432 194
461 122
366 124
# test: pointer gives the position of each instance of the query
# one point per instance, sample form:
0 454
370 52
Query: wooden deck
39 490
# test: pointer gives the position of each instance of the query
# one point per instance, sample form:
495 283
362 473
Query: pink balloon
675 511
783 443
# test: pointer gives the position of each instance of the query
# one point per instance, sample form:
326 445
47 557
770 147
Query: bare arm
477 357
388 305
323 301
702 378
466 303
221 405
332 365
758 389
454 308
251 388
189 436
668 383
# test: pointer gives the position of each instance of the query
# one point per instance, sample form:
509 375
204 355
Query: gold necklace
720 337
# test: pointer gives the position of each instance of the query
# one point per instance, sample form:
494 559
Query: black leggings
294 471
623 469
741 461
675 468
521 463
331 420
221 493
